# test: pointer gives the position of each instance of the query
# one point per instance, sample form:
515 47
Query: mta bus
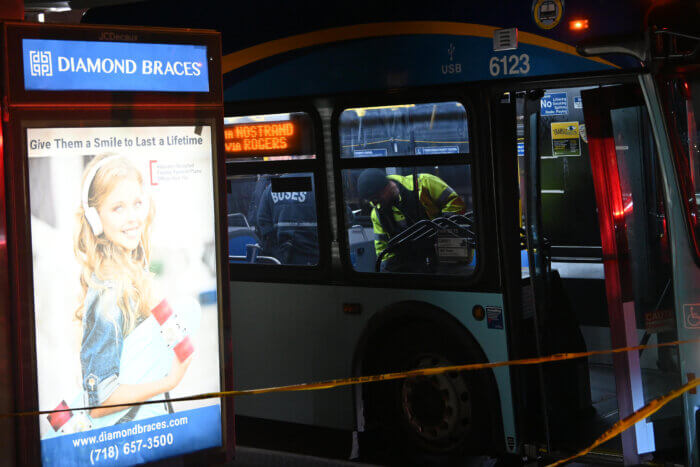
550 150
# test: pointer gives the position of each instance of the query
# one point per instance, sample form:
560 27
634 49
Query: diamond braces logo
40 63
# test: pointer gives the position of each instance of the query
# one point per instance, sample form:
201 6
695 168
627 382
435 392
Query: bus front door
631 215
596 272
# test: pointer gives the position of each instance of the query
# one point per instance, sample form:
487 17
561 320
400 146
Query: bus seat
362 253
238 238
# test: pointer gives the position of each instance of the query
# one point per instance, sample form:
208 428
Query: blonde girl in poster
125 356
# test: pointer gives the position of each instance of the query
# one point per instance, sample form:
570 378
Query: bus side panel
374 63
308 338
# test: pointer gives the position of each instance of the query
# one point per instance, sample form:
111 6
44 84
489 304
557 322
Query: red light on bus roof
578 24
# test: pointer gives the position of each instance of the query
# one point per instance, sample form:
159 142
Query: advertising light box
69 65
110 65
125 291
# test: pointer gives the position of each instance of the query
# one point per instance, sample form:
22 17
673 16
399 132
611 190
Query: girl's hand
127 393
177 371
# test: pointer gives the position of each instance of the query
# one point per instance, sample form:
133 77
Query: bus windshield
683 108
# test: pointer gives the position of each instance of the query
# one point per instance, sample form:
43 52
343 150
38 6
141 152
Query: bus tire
430 419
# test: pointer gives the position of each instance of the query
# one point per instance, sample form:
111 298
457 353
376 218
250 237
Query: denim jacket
102 344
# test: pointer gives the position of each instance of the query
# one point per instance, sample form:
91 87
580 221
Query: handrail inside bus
236 215
258 259
427 229
634 46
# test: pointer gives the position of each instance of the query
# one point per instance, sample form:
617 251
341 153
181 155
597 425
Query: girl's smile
123 213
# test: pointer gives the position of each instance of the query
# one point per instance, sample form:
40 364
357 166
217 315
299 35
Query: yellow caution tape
334 383
615 430
632 419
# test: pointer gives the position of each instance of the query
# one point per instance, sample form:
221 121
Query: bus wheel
431 418
437 408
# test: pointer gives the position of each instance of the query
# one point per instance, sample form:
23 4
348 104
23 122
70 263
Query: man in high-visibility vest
397 205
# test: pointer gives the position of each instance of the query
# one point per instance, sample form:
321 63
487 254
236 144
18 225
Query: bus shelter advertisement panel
125 295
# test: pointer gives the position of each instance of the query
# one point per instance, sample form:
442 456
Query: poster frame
20 254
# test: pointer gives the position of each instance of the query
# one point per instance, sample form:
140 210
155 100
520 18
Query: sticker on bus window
370 152
554 103
691 314
453 247
494 317
659 320
427 150
582 132
565 139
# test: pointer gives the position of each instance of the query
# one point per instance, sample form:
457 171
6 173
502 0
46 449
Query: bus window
272 215
404 130
567 182
394 227
408 217
272 219
269 137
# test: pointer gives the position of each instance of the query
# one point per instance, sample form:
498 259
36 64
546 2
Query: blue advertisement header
62 65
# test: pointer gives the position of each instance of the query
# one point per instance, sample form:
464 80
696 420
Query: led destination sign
258 138
61 65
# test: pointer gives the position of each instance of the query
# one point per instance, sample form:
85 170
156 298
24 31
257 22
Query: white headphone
91 214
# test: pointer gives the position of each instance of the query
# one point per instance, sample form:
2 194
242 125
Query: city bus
539 166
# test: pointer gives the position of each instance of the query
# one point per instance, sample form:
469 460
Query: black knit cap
371 182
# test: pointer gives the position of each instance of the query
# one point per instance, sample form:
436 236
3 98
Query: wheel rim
437 408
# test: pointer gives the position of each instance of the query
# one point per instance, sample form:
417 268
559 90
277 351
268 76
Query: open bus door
597 273
535 287
635 249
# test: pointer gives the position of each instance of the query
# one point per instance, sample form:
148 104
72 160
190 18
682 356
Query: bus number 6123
509 65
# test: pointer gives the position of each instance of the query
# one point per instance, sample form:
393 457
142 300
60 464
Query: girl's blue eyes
120 207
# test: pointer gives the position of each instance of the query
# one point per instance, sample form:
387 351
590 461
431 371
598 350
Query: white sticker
453 247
